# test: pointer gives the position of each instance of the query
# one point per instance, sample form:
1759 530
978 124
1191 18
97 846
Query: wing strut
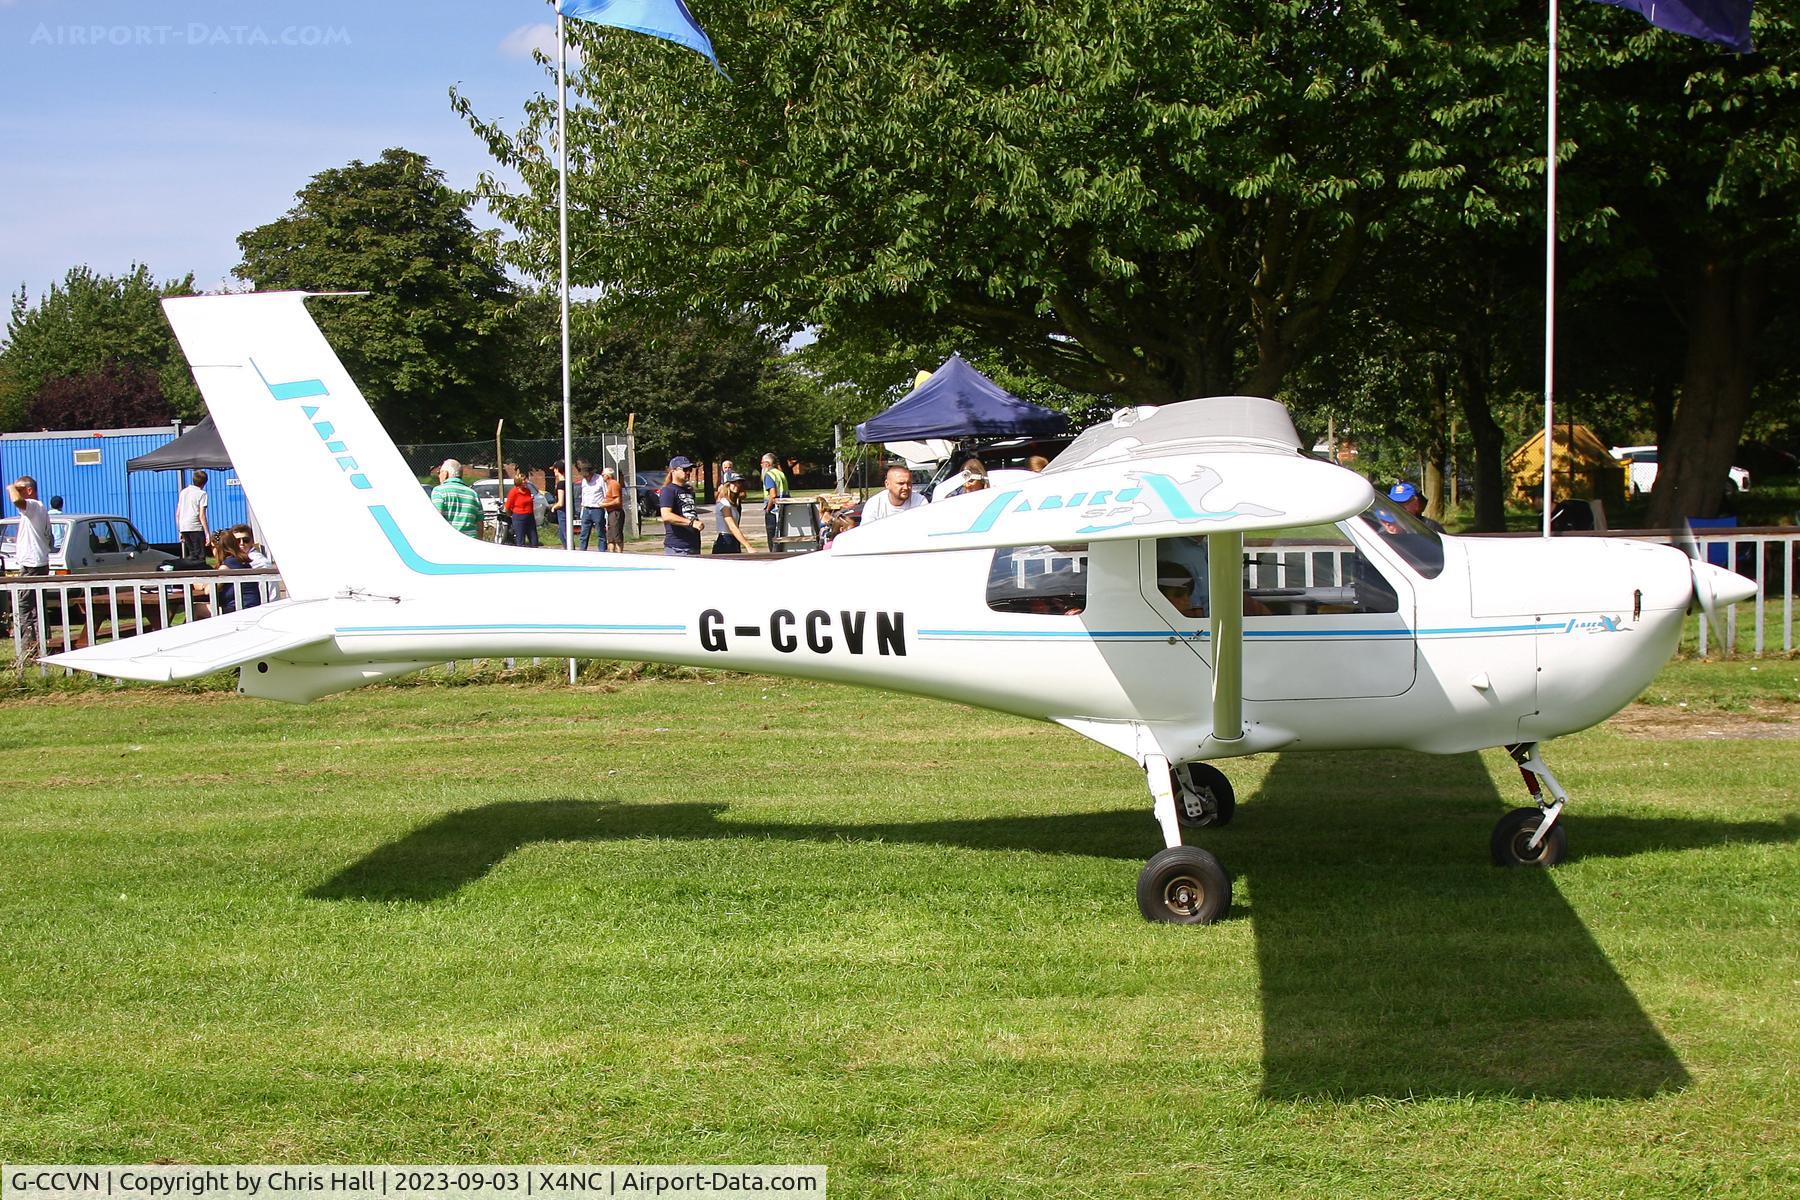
1225 605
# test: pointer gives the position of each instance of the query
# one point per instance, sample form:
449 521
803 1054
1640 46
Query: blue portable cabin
87 469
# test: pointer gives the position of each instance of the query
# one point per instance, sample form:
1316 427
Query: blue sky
158 131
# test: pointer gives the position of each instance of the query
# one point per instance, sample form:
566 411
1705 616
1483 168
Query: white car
1641 467
88 544
492 491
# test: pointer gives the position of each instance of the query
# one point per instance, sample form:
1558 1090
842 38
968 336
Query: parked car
646 485
1641 469
88 544
99 545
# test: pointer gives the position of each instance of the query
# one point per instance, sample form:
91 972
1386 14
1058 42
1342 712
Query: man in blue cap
680 516
1407 497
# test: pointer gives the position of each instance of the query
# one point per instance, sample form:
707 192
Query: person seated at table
234 555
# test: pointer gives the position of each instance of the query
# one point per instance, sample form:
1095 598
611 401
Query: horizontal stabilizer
1195 491
202 647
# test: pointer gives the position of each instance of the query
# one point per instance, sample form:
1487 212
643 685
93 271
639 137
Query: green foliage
116 396
86 324
705 387
422 344
1694 154
1676 183
1146 198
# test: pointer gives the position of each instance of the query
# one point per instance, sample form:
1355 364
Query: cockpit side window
1048 581
1303 573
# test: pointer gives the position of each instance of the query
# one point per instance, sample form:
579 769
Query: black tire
1515 830
1203 796
1184 885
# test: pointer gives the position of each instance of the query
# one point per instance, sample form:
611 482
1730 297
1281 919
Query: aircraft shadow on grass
1394 961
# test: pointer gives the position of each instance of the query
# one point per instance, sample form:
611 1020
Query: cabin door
1321 620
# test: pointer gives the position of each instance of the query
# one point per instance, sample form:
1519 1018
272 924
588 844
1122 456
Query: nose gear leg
1532 836
1533 767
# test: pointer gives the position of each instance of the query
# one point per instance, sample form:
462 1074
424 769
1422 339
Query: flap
1153 496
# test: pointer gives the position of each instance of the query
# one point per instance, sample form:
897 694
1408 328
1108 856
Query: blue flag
1726 22
667 19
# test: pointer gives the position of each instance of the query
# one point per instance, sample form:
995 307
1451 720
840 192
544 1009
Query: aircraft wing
1190 492
202 647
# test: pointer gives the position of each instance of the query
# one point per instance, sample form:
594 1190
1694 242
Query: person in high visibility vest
775 487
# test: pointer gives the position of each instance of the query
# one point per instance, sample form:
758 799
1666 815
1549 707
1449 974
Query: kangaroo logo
1162 498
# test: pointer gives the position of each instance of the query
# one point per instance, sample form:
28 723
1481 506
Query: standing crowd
596 498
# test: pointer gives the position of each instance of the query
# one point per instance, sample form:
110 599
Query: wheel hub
1184 895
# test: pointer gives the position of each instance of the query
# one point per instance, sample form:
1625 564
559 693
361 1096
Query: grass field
708 918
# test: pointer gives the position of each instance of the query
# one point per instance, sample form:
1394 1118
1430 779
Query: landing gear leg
1162 793
1532 837
1181 885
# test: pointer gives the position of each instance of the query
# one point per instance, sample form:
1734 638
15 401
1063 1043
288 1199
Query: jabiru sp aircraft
1113 594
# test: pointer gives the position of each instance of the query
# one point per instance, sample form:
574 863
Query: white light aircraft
1113 594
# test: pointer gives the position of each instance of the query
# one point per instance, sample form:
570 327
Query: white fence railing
1771 558
72 611
68 612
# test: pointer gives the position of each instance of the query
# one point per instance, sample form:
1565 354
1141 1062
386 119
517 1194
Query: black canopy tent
958 401
200 446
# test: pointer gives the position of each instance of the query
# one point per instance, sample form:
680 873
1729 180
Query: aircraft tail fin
338 506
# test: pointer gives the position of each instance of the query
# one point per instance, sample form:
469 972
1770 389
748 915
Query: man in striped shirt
456 501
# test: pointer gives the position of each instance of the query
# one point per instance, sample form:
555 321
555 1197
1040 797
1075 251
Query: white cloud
522 42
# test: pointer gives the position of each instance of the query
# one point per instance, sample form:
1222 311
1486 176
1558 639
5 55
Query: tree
115 396
1698 152
1153 198
106 331
699 387
421 344
702 388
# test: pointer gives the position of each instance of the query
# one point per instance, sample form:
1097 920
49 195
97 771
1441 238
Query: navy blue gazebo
958 401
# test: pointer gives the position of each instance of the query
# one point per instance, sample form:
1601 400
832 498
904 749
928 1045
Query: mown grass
720 919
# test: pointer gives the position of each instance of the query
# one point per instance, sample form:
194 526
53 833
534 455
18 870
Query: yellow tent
1580 467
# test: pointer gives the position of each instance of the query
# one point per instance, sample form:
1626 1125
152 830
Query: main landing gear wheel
1511 843
1203 796
1184 885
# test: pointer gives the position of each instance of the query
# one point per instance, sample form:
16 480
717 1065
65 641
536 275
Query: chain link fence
481 461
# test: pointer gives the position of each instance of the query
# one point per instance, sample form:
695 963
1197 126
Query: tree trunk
1431 476
1695 458
1490 445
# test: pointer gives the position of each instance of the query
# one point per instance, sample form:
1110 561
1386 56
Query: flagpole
562 226
1550 281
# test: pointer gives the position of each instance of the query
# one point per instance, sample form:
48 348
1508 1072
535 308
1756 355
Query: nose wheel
1532 837
1516 843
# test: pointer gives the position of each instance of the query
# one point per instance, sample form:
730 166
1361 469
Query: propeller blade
1714 587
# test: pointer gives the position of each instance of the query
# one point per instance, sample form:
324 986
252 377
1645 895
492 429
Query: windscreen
1419 545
